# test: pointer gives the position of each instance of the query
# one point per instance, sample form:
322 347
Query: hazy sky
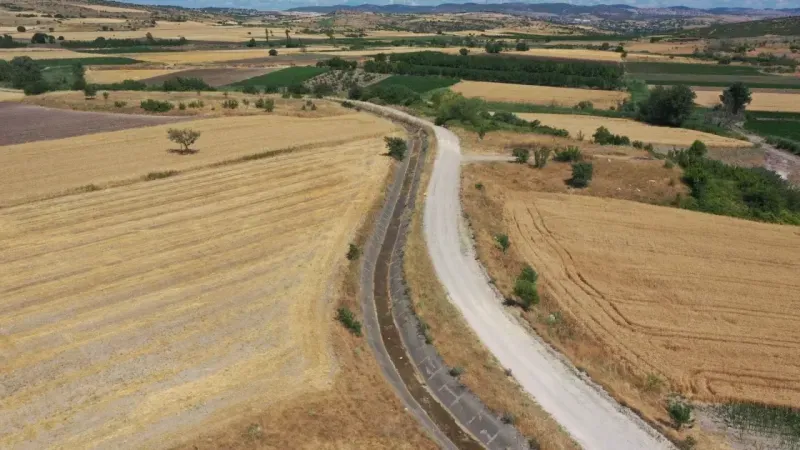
286 4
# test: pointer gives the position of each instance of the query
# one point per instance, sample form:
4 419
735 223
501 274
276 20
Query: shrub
584 105
185 137
196 104
353 252
273 52
21 29
267 104
456 371
181 106
667 106
90 91
526 292
348 319
522 46
540 157
120 104
463 52
396 147
36 87
521 155
604 137
569 154
151 105
680 413
581 174
249 89
159 175
230 103
638 144
502 242
508 418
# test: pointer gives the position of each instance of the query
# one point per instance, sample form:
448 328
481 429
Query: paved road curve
594 419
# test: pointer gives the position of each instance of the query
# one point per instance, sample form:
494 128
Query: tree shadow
183 151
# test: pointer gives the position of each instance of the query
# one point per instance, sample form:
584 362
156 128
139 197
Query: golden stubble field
542 95
636 131
144 315
37 169
119 75
706 301
761 101
42 53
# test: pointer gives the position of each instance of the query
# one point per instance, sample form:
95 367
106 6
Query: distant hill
783 26
616 11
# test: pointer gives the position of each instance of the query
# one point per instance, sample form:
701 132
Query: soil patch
214 77
27 123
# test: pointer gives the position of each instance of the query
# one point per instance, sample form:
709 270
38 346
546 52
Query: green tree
396 147
581 174
251 42
502 242
541 156
669 106
522 46
680 412
24 71
736 98
185 137
90 91
273 52
21 29
463 52
521 155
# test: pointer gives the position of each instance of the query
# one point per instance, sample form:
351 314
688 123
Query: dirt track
28 123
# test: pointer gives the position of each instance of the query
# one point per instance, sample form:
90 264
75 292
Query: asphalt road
592 417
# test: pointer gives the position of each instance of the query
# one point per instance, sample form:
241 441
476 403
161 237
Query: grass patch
417 83
282 78
159 175
780 422
348 319
99 61
783 125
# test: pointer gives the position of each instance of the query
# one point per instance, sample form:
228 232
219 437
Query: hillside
783 26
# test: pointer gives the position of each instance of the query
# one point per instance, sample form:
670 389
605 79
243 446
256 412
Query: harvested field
762 101
10 95
543 95
143 316
665 48
590 55
40 169
28 123
680 300
118 75
214 56
214 77
104 8
42 53
636 131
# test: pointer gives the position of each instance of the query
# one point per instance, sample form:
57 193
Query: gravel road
594 419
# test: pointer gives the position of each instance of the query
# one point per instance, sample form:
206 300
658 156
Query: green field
59 77
694 69
420 84
99 61
282 78
784 125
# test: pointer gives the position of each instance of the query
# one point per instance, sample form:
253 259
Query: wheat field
542 95
38 169
143 315
761 101
708 302
636 131
119 75
41 53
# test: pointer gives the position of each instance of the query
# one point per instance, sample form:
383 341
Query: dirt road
594 419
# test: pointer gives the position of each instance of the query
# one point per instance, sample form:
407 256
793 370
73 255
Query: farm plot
706 301
542 95
636 131
118 75
213 56
42 53
762 101
10 95
142 316
284 77
418 83
40 169
213 77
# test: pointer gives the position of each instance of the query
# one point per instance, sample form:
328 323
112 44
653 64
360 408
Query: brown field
144 315
42 53
593 55
636 131
543 95
37 169
105 8
762 101
118 75
681 299
214 77
665 48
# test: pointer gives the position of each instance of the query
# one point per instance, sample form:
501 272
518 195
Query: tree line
519 70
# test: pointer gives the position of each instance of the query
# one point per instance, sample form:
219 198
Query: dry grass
543 95
42 53
39 169
212 103
592 55
8 95
142 316
665 48
459 346
118 75
762 101
214 56
104 8
636 131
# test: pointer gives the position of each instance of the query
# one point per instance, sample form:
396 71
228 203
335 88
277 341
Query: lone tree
667 106
736 98
251 42
680 412
396 147
273 52
521 155
463 52
185 137
581 174
90 91
21 29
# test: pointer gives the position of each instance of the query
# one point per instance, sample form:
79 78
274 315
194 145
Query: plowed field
542 95
636 131
118 75
144 315
38 169
709 302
